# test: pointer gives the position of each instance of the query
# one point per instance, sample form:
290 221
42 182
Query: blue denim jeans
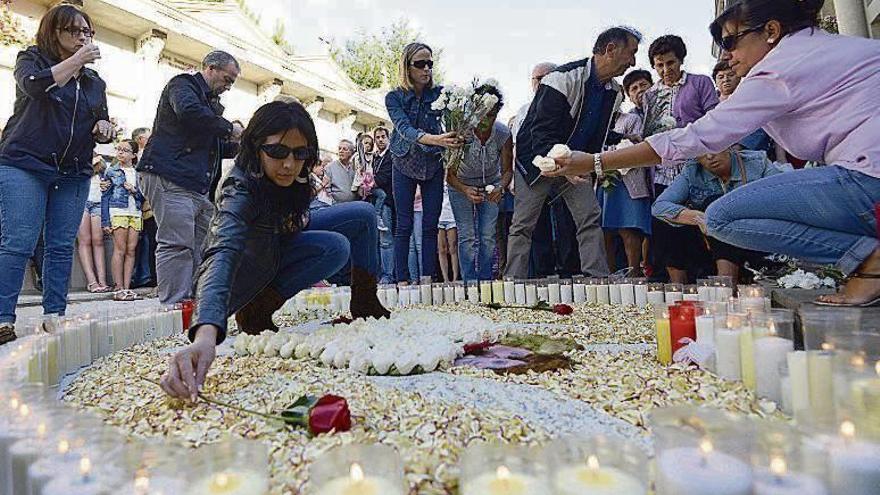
334 236
414 259
476 235
386 247
823 215
29 201
432 202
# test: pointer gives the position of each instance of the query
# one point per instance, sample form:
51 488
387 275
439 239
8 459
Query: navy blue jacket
189 136
50 130
554 113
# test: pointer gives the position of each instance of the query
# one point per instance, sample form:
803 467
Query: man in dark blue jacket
574 105
180 167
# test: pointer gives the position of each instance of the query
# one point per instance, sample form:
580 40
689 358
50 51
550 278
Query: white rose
545 164
302 350
287 349
382 363
489 189
241 344
359 364
328 356
429 361
255 345
405 364
559 151
491 82
341 359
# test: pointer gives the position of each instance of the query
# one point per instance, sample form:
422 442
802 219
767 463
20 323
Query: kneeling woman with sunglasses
263 247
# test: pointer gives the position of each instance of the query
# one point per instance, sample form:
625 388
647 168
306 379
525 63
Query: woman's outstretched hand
188 368
578 163
446 140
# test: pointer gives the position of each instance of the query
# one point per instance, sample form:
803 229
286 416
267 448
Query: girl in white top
447 241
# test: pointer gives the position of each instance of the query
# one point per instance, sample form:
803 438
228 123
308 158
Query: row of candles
835 378
579 290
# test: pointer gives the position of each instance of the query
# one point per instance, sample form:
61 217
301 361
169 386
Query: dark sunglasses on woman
280 152
422 64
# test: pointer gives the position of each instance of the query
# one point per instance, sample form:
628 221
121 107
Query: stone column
346 124
151 82
851 18
268 91
314 108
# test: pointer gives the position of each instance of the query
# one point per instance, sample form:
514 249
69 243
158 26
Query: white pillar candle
706 336
84 343
706 293
44 469
691 297
603 294
425 294
769 483
579 293
722 294
67 348
84 483
543 293
460 294
798 382
614 294
485 292
473 292
509 292
553 293
53 360
448 294
382 296
519 291
404 297
391 296
503 482
357 483
591 479
656 297
641 295
727 353
566 294
437 296
819 370
178 322
592 294
22 455
498 291
854 465
770 353
627 295
673 296
231 482
415 295
531 295
691 471
97 335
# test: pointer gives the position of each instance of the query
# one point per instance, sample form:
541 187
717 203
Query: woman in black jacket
46 156
264 247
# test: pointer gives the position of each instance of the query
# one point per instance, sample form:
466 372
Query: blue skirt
620 211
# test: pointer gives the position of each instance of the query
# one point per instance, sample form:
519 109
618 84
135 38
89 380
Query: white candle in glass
779 481
593 479
391 296
485 291
553 293
656 297
770 352
592 293
819 370
473 293
706 336
437 295
603 294
627 295
614 296
701 471
519 292
498 291
504 482
404 294
531 295
854 465
415 295
231 482
460 294
706 293
153 485
641 295
798 382
84 483
728 363
84 343
382 296
448 294
43 470
22 454
357 483
509 292
425 294
543 293
673 296
579 293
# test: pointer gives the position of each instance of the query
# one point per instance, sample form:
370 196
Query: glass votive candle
448 293
706 289
358 468
595 466
778 462
857 392
519 292
627 292
579 289
498 291
728 356
656 294
700 451
230 467
691 293
510 290
592 290
460 292
485 291
603 290
425 286
152 468
473 291
819 324
403 294
664 337
566 291
437 294
488 469
853 462
772 341
640 292
673 292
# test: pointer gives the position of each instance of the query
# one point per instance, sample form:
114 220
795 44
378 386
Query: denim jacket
117 195
696 188
412 118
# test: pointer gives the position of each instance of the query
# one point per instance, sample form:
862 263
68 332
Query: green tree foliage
11 32
371 59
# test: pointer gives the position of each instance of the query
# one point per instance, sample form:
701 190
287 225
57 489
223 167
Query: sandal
872 302
95 288
125 295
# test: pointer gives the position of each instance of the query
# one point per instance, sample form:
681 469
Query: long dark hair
793 15
270 119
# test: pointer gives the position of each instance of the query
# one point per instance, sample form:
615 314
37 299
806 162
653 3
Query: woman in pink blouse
814 93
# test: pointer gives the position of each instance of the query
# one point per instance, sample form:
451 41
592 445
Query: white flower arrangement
463 109
548 163
410 341
805 280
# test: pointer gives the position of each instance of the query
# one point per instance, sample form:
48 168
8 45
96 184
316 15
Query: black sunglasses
422 64
280 152
728 43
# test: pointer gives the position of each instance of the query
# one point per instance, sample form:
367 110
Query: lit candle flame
221 480
877 367
357 473
593 462
63 447
848 430
706 446
24 410
41 430
13 403
857 361
502 473
777 466
142 484
85 466
772 327
826 346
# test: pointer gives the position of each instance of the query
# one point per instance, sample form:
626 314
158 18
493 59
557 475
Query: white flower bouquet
464 107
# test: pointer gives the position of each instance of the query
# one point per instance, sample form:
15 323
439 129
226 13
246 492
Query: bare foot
858 290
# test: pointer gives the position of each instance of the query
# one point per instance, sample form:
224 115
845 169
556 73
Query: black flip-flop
866 304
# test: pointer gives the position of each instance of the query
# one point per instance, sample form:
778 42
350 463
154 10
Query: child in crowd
122 217
90 239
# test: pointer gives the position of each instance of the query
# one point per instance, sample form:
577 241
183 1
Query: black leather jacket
243 247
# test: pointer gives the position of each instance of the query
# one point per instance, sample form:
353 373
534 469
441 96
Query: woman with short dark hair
46 156
792 74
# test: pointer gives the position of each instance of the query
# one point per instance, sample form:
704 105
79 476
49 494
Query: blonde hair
406 56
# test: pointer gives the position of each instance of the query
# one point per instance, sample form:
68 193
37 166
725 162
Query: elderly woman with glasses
264 247
46 156
793 75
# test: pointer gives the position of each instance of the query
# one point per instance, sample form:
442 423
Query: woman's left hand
103 130
578 163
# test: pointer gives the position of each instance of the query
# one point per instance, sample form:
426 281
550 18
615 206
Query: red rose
563 309
477 347
328 414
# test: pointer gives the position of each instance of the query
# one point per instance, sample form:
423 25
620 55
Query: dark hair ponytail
793 15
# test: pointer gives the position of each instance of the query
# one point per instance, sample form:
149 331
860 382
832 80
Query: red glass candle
682 323
186 308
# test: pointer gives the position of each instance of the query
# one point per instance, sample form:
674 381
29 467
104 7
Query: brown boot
256 316
364 302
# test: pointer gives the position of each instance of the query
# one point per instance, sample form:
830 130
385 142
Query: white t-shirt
446 212
132 210
95 189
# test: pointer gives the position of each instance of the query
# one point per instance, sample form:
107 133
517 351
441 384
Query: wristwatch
597 164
